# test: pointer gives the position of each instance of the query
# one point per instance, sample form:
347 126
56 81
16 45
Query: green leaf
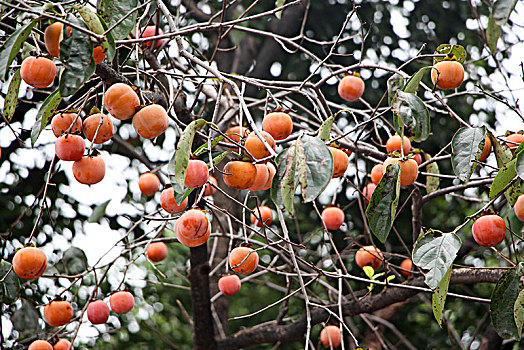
395 83
204 148
436 254
502 10
414 114
414 81
518 313
519 165
466 146
458 52
288 184
279 3
90 18
493 32
505 175
178 164
9 283
98 212
11 99
368 270
503 301
502 152
12 46
325 129
76 54
432 182
114 11
218 159
25 319
74 261
384 201
438 299
45 112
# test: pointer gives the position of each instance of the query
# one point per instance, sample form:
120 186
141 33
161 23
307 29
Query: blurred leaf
518 313
25 319
178 164
493 32
9 283
114 11
395 83
438 299
458 51
368 271
12 46
220 157
503 302
432 182
74 261
204 148
11 99
382 207
90 18
98 212
502 10
414 114
414 81
325 129
279 3
436 254
76 54
466 146
44 114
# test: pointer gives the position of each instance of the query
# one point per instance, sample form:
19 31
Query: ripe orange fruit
70 147
188 242
330 336
98 54
514 141
376 173
239 175
489 230
519 208
89 170
52 38
229 285
29 263
333 217
256 148
63 344
278 124
340 161
38 72
450 75
156 251
210 190
486 151
407 266
369 256
151 121
192 224
121 302
149 32
105 132
148 184
417 158
97 312
408 170
393 144
351 87
237 133
197 174
168 203
272 172
368 190
40 345
243 260
61 123
121 101
261 177
58 313
263 212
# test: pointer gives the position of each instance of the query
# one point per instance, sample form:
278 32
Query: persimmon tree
326 182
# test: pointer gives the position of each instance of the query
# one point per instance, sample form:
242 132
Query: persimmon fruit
38 72
519 208
489 230
40 344
62 122
340 161
486 151
156 251
237 133
121 302
193 242
330 336
239 175
58 313
393 144
29 263
70 147
376 173
98 54
417 158
192 224
257 150
63 344
105 132
148 184
406 267
333 217
197 174
351 88
408 170
229 285
151 121
513 141
168 203
272 172
278 124
97 312
89 170
265 213
368 190
369 256
121 101
210 190
243 260
52 36
150 31
261 178
450 75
